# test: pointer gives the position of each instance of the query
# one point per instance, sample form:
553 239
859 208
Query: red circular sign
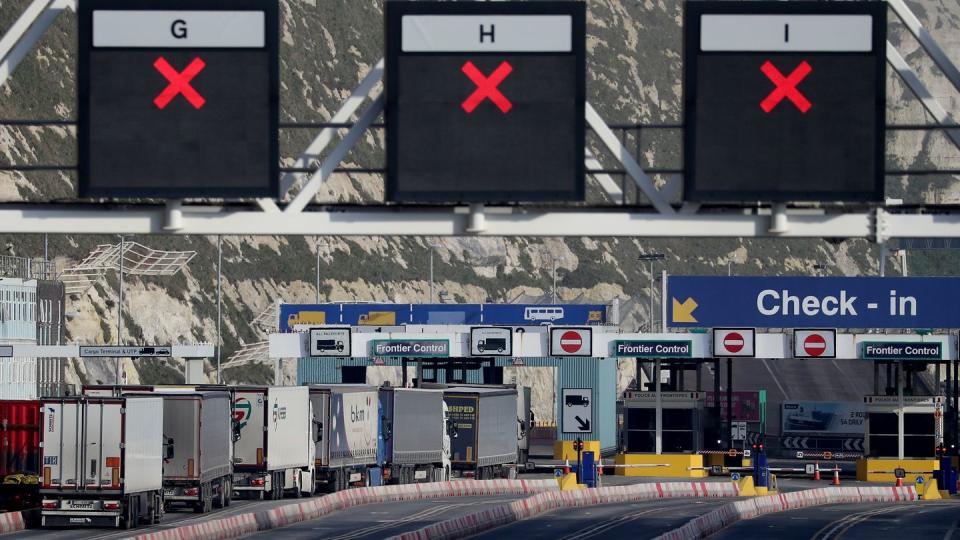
733 342
814 345
570 342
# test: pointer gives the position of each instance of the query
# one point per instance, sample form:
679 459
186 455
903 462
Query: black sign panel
485 101
784 101
178 98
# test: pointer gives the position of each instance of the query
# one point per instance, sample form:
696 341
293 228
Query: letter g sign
179 29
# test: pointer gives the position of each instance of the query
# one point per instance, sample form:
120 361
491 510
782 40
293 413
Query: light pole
219 302
651 258
320 242
555 259
433 247
119 311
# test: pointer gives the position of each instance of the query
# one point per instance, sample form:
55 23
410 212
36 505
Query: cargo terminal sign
813 302
111 351
892 350
417 348
653 349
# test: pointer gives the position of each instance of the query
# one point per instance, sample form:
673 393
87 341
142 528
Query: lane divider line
549 501
728 514
252 522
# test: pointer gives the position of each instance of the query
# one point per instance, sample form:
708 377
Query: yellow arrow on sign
683 313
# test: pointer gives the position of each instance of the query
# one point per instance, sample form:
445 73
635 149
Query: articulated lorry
487 430
345 432
199 428
102 461
274 454
416 434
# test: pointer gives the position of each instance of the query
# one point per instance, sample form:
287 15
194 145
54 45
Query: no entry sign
729 342
815 343
571 341
178 98
784 101
485 101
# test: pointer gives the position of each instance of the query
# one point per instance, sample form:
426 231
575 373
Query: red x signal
487 87
786 87
179 83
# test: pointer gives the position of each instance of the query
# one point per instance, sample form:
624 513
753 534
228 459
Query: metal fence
27 268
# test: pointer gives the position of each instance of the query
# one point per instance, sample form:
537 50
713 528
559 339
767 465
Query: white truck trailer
346 422
416 435
102 461
199 427
275 452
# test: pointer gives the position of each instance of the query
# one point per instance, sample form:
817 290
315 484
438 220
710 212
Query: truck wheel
220 500
157 509
278 486
131 518
335 482
228 496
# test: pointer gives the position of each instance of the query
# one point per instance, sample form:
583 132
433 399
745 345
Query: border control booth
473 344
683 416
904 429
664 424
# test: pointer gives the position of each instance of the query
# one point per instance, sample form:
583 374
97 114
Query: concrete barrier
14 521
244 524
552 500
728 514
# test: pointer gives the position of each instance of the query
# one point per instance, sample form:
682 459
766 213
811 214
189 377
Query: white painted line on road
953 528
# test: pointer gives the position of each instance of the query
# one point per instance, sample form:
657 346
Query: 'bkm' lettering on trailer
771 303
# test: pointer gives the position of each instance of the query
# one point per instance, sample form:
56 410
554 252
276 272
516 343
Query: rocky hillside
327 46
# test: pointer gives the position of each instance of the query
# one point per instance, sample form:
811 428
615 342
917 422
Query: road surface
174 518
376 521
933 519
628 521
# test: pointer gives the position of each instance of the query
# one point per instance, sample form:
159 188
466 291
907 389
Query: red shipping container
19 437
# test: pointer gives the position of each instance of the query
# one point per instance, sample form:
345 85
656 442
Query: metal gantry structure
661 218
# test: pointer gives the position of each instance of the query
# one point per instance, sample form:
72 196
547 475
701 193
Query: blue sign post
813 302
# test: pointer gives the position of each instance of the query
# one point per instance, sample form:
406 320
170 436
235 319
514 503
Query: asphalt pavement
927 520
174 518
385 520
629 521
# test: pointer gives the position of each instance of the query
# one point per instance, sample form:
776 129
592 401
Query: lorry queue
105 462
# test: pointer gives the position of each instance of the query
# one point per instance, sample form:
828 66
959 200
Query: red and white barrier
244 524
12 521
553 500
728 514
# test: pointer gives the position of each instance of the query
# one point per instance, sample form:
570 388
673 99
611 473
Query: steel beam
642 179
305 196
447 221
927 41
27 31
930 103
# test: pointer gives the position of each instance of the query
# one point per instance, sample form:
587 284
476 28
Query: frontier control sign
416 348
890 350
653 349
